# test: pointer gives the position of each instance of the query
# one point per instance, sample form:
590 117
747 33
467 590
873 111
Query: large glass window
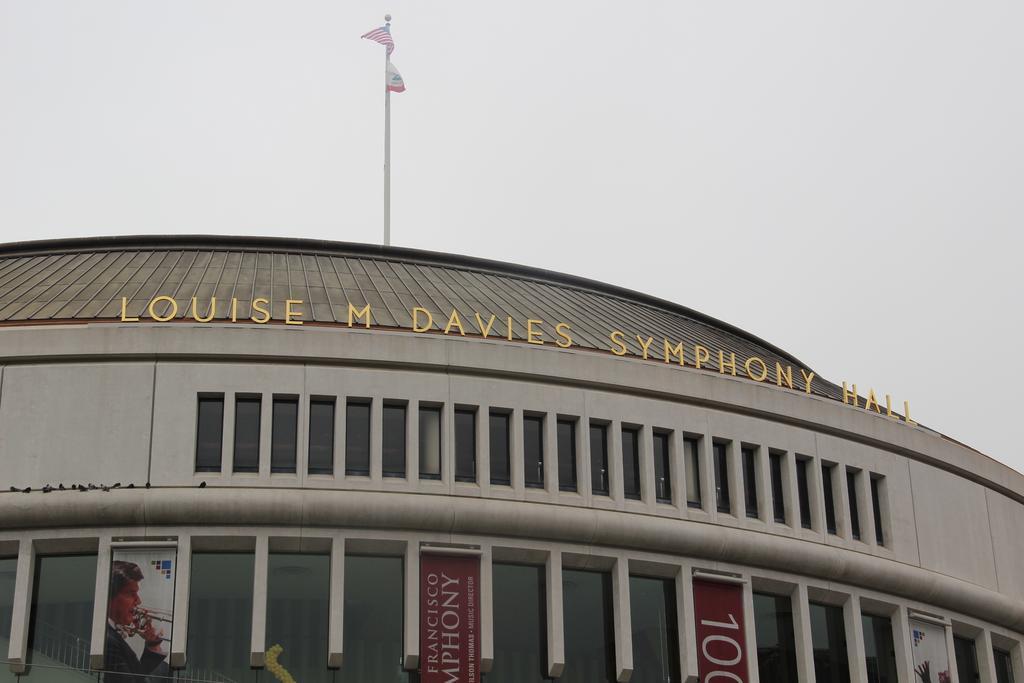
373 620
566 455
298 593
879 649
691 448
851 492
828 636
778 490
1004 667
393 440
876 506
722 477
284 434
589 639
655 630
520 625
321 436
209 433
662 467
430 442
247 434
750 480
631 462
501 471
357 438
61 621
776 646
803 492
465 445
599 458
533 450
830 504
220 617
966 660
8 567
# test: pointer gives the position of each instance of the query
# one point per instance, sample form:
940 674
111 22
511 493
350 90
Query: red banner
721 645
449 619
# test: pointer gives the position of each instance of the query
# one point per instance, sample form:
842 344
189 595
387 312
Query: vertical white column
555 614
866 509
855 651
621 620
258 641
99 604
706 451
516 452
750 633
986 658
802 635
17 651
412 444
483 449
336 610
377 439
687 623
902 645
615 484
841 498
765 494
677 459
551 453
645 453
411 651
789 484
486 610
265 437
584 468
179 637
737 490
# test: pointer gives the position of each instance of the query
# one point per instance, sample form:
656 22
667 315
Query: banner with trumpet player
140 614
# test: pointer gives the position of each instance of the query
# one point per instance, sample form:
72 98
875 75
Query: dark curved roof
85 280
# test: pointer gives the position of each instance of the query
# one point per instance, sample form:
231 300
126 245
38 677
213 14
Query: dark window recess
501 472
655 630
465 445
828 637
851 492
803 492
247 435
321 436
209 433
778 491
284 435
533 450
631 463
357 438
430 442
876 506
879 650
691 448
393 440
589 634
722 478
966 660
776 644
1004 666
599 459
662 468
750 481
566 455
830 503
520 635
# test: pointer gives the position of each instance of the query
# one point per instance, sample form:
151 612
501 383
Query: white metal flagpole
387 144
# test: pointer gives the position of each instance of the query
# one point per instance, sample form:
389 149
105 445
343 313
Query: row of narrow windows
298 589
395 421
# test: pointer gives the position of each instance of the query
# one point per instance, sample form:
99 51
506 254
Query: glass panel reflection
776 647
501 472
1004 667
373 620
879 650
8 568
357 438
828 635
966 660
520 625
247 434
220 617
61 620
430 443
566 455
589 640
655 630
533 450
631 463
393 440
465 445
298 591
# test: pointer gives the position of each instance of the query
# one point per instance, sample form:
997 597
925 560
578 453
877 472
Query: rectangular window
750 480
430 442
778 490
631 463
284 434
876 506
520 634
321 436
209 433
8 567
655 630
599 458
803 492
966 660
533 450
566 455
298 590
501 466
220 617
357 438
828 638
60 624
851 492
393 440
589 638
776 645
373 620
830 502
691 456
662 467
247 434
722 477
1004 667
465 445
879 650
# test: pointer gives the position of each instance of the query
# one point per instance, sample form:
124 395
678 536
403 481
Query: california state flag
395 82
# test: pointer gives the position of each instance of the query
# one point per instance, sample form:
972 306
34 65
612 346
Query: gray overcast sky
845 180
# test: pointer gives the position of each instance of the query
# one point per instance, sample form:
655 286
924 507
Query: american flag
381 35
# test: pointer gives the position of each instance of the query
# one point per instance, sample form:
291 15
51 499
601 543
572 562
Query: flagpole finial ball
387 17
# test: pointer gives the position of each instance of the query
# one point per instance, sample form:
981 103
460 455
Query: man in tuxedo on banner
121 664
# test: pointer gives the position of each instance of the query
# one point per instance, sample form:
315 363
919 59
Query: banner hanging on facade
721 644
931 656
449 619
140 613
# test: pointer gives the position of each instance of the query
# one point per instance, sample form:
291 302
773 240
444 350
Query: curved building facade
241 460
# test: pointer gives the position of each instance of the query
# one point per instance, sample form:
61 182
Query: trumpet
143 619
